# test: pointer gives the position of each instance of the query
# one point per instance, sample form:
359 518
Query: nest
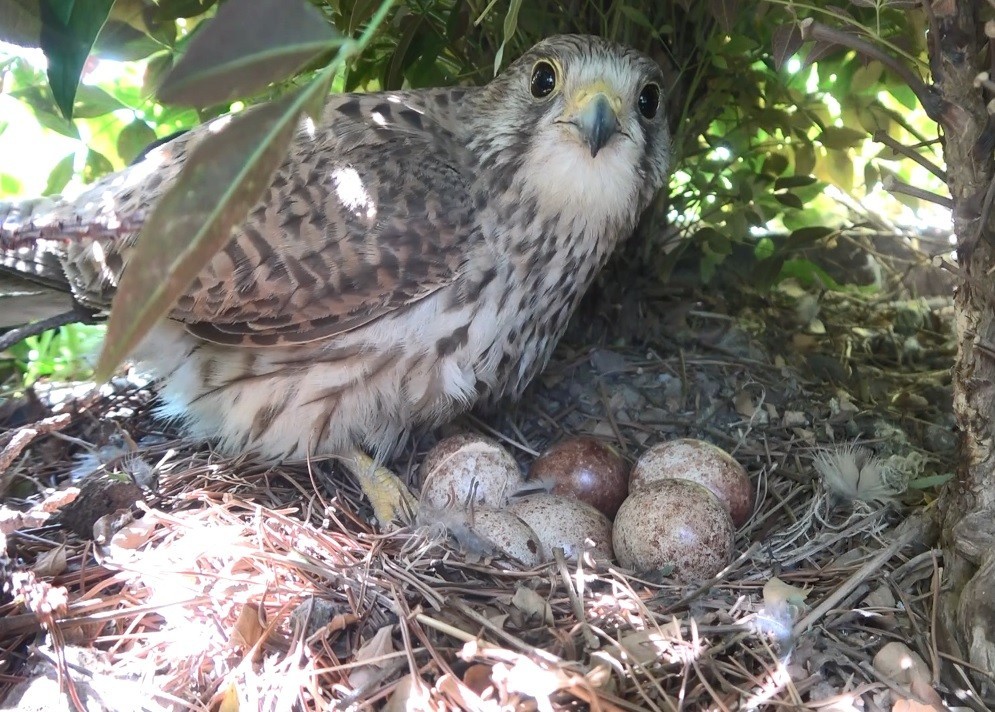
235 585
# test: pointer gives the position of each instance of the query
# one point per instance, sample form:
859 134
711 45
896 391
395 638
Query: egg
677 523
508 534
584 468
465 470
565 523
701 462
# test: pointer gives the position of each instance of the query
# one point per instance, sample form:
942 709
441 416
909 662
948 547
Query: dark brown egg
586 469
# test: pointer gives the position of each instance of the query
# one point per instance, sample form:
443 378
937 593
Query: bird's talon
390 498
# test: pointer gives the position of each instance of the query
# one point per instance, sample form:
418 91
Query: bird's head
581 121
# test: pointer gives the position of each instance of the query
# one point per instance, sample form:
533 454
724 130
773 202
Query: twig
78 314
20 438
576 603
898 147
893 185
932 103
910 531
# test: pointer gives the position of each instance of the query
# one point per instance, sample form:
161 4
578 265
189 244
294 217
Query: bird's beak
594 111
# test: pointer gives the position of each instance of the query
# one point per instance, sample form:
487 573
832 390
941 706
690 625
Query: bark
958 52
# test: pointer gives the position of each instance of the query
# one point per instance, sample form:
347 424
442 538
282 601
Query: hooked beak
596 117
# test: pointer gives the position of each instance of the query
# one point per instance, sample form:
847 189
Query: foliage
62 354
767 147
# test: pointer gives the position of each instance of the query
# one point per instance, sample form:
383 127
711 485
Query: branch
78 314
902 149
936 108
893 185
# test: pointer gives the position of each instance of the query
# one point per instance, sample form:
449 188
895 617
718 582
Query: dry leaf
58 499
134 535
11 520
881 597
922 689
462 696
645 646
529 678
229 699
108 525
532 604
902 664
249 626
778 592
409 695
371 652
794 419
52 562
744 404
478 678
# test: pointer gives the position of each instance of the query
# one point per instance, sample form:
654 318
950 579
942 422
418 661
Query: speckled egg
468 469
701 462
566 523
507 533
677 523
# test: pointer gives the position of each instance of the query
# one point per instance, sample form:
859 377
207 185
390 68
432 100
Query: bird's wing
369 213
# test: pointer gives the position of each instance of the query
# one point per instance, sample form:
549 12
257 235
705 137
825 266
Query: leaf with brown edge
724 11
223 177
248 45
785 42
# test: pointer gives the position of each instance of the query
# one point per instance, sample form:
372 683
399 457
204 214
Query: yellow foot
389 496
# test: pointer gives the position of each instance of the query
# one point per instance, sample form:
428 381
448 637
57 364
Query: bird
418 253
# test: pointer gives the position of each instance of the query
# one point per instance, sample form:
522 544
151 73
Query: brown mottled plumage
417 252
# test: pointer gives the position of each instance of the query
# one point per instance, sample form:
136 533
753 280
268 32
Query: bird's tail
56 254
33 284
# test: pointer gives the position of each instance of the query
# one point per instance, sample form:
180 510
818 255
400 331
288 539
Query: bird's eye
649 100
543 79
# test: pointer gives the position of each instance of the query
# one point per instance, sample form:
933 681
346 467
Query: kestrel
418 252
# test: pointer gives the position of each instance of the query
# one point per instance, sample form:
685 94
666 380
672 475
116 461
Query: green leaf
808 273
60 175
248 45
930 481
133 139
121 42
636 17
841 138
775 164
764 248
92 101
66 40
795 181
96 166
804 158
39 99
904 94
9 185
866 79
20 22
362 10
62 9
175 9
223 177
510 27
806 237
789 199
412 26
